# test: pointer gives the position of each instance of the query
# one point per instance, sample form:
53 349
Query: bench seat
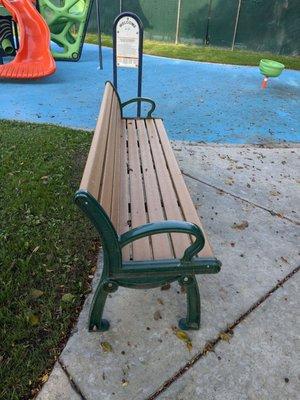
152 189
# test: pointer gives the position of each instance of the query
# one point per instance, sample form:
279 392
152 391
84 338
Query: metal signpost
128 48
99 34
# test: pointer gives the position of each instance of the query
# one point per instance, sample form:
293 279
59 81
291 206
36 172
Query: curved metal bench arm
167 227
139 100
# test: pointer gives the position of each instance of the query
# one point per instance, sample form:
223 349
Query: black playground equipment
9 42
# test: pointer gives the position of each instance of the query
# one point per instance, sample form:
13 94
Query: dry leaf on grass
33 319
36 293
68 298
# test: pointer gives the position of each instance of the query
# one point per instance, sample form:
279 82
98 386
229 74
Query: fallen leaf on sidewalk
279 215
274 193
207 348
157 315
229 181
284 259
44 378
241 225
185 338
189 345
106 347
182 335
225 336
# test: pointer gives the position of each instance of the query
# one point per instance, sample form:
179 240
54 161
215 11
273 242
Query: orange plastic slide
33 59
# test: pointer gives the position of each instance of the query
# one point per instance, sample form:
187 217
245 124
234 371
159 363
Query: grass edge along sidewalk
204 53
47 250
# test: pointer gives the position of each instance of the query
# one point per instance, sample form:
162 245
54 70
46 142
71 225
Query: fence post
207 39
98 13
236 24
178 22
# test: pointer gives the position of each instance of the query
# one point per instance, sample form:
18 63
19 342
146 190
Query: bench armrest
167 227
139 100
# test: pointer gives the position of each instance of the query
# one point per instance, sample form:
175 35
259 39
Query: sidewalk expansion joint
74 385
211 345
272 212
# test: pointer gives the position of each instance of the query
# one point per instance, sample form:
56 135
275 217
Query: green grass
205 53
47 249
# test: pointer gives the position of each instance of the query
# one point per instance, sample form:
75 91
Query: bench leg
192 320
95 319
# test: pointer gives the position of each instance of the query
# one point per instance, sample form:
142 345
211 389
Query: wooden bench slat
115 209
124 199
141 248
106 187
172 210
186 203
93 170
161 245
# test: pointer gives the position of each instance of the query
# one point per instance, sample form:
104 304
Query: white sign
127 35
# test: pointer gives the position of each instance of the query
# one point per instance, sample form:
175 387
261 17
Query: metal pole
140 73
115 73
16 35
178 22
99 34
236 24
121 6
207 40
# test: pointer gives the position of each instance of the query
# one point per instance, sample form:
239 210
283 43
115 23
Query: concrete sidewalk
249 200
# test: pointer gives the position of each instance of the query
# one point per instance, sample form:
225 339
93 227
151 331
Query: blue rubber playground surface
198 101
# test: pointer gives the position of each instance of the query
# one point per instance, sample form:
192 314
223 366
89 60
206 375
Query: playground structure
8 34
33 58
67 24
63 22
270 69
37 24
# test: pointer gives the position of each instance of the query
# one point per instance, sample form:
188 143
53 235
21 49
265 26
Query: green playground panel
67 21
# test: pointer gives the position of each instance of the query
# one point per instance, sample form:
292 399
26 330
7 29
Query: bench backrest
99 186
98 172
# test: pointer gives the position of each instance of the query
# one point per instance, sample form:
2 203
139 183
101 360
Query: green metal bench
133 192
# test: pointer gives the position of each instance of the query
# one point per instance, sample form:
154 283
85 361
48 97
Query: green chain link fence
260 25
